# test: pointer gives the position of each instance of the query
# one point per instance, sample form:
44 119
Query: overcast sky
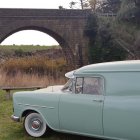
32 37
34 3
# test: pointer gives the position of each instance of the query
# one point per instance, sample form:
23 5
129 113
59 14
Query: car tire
35 125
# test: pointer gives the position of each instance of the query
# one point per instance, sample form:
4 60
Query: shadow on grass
64 136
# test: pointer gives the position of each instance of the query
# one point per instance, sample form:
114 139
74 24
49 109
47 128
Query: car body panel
121 106
81 113
121 117
45 104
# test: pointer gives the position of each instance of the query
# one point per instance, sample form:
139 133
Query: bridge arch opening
62 43
30 37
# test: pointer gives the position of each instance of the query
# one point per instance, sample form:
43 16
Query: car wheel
34 125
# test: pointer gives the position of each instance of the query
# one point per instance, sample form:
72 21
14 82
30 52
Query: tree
95 4
61 7
72 4
82 4
109 6
85 4
130 11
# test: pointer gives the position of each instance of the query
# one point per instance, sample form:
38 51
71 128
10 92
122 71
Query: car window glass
92 85
89 85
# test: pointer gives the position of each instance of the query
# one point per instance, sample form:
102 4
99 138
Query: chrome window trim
92 76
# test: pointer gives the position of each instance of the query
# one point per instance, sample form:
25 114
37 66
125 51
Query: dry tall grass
33 71
35 64
27 80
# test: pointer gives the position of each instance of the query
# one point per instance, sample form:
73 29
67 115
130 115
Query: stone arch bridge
65 26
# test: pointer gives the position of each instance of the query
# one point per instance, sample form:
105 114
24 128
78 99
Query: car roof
118 66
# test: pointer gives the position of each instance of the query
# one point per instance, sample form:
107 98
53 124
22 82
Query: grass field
10 130
25 48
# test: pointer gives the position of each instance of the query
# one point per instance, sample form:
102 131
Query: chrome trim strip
36 106
107 71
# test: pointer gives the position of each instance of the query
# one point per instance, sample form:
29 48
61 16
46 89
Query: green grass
10 130
25 48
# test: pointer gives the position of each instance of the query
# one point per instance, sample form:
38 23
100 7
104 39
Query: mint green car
99 100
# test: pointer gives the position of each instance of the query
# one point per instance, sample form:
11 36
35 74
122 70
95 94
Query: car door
81 111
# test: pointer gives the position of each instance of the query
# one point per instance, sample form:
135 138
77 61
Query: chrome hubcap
36 124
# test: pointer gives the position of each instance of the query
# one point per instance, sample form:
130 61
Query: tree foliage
85 4
105 47
105 6
102 45
130 11
109 6
82 4
95 4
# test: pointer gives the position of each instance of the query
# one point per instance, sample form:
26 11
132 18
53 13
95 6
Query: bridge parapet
67 13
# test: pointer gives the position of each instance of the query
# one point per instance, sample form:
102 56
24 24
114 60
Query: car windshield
68 87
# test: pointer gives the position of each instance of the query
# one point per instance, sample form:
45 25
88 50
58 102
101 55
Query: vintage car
99 100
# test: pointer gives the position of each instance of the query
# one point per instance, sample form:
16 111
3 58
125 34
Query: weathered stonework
65 26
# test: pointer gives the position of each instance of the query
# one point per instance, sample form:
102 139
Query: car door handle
97 100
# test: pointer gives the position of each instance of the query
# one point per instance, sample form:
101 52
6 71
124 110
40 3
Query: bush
19 52
105 48
130 11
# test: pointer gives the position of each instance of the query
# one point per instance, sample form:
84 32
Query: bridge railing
107 14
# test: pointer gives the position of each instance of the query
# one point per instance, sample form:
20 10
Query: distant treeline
27 48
